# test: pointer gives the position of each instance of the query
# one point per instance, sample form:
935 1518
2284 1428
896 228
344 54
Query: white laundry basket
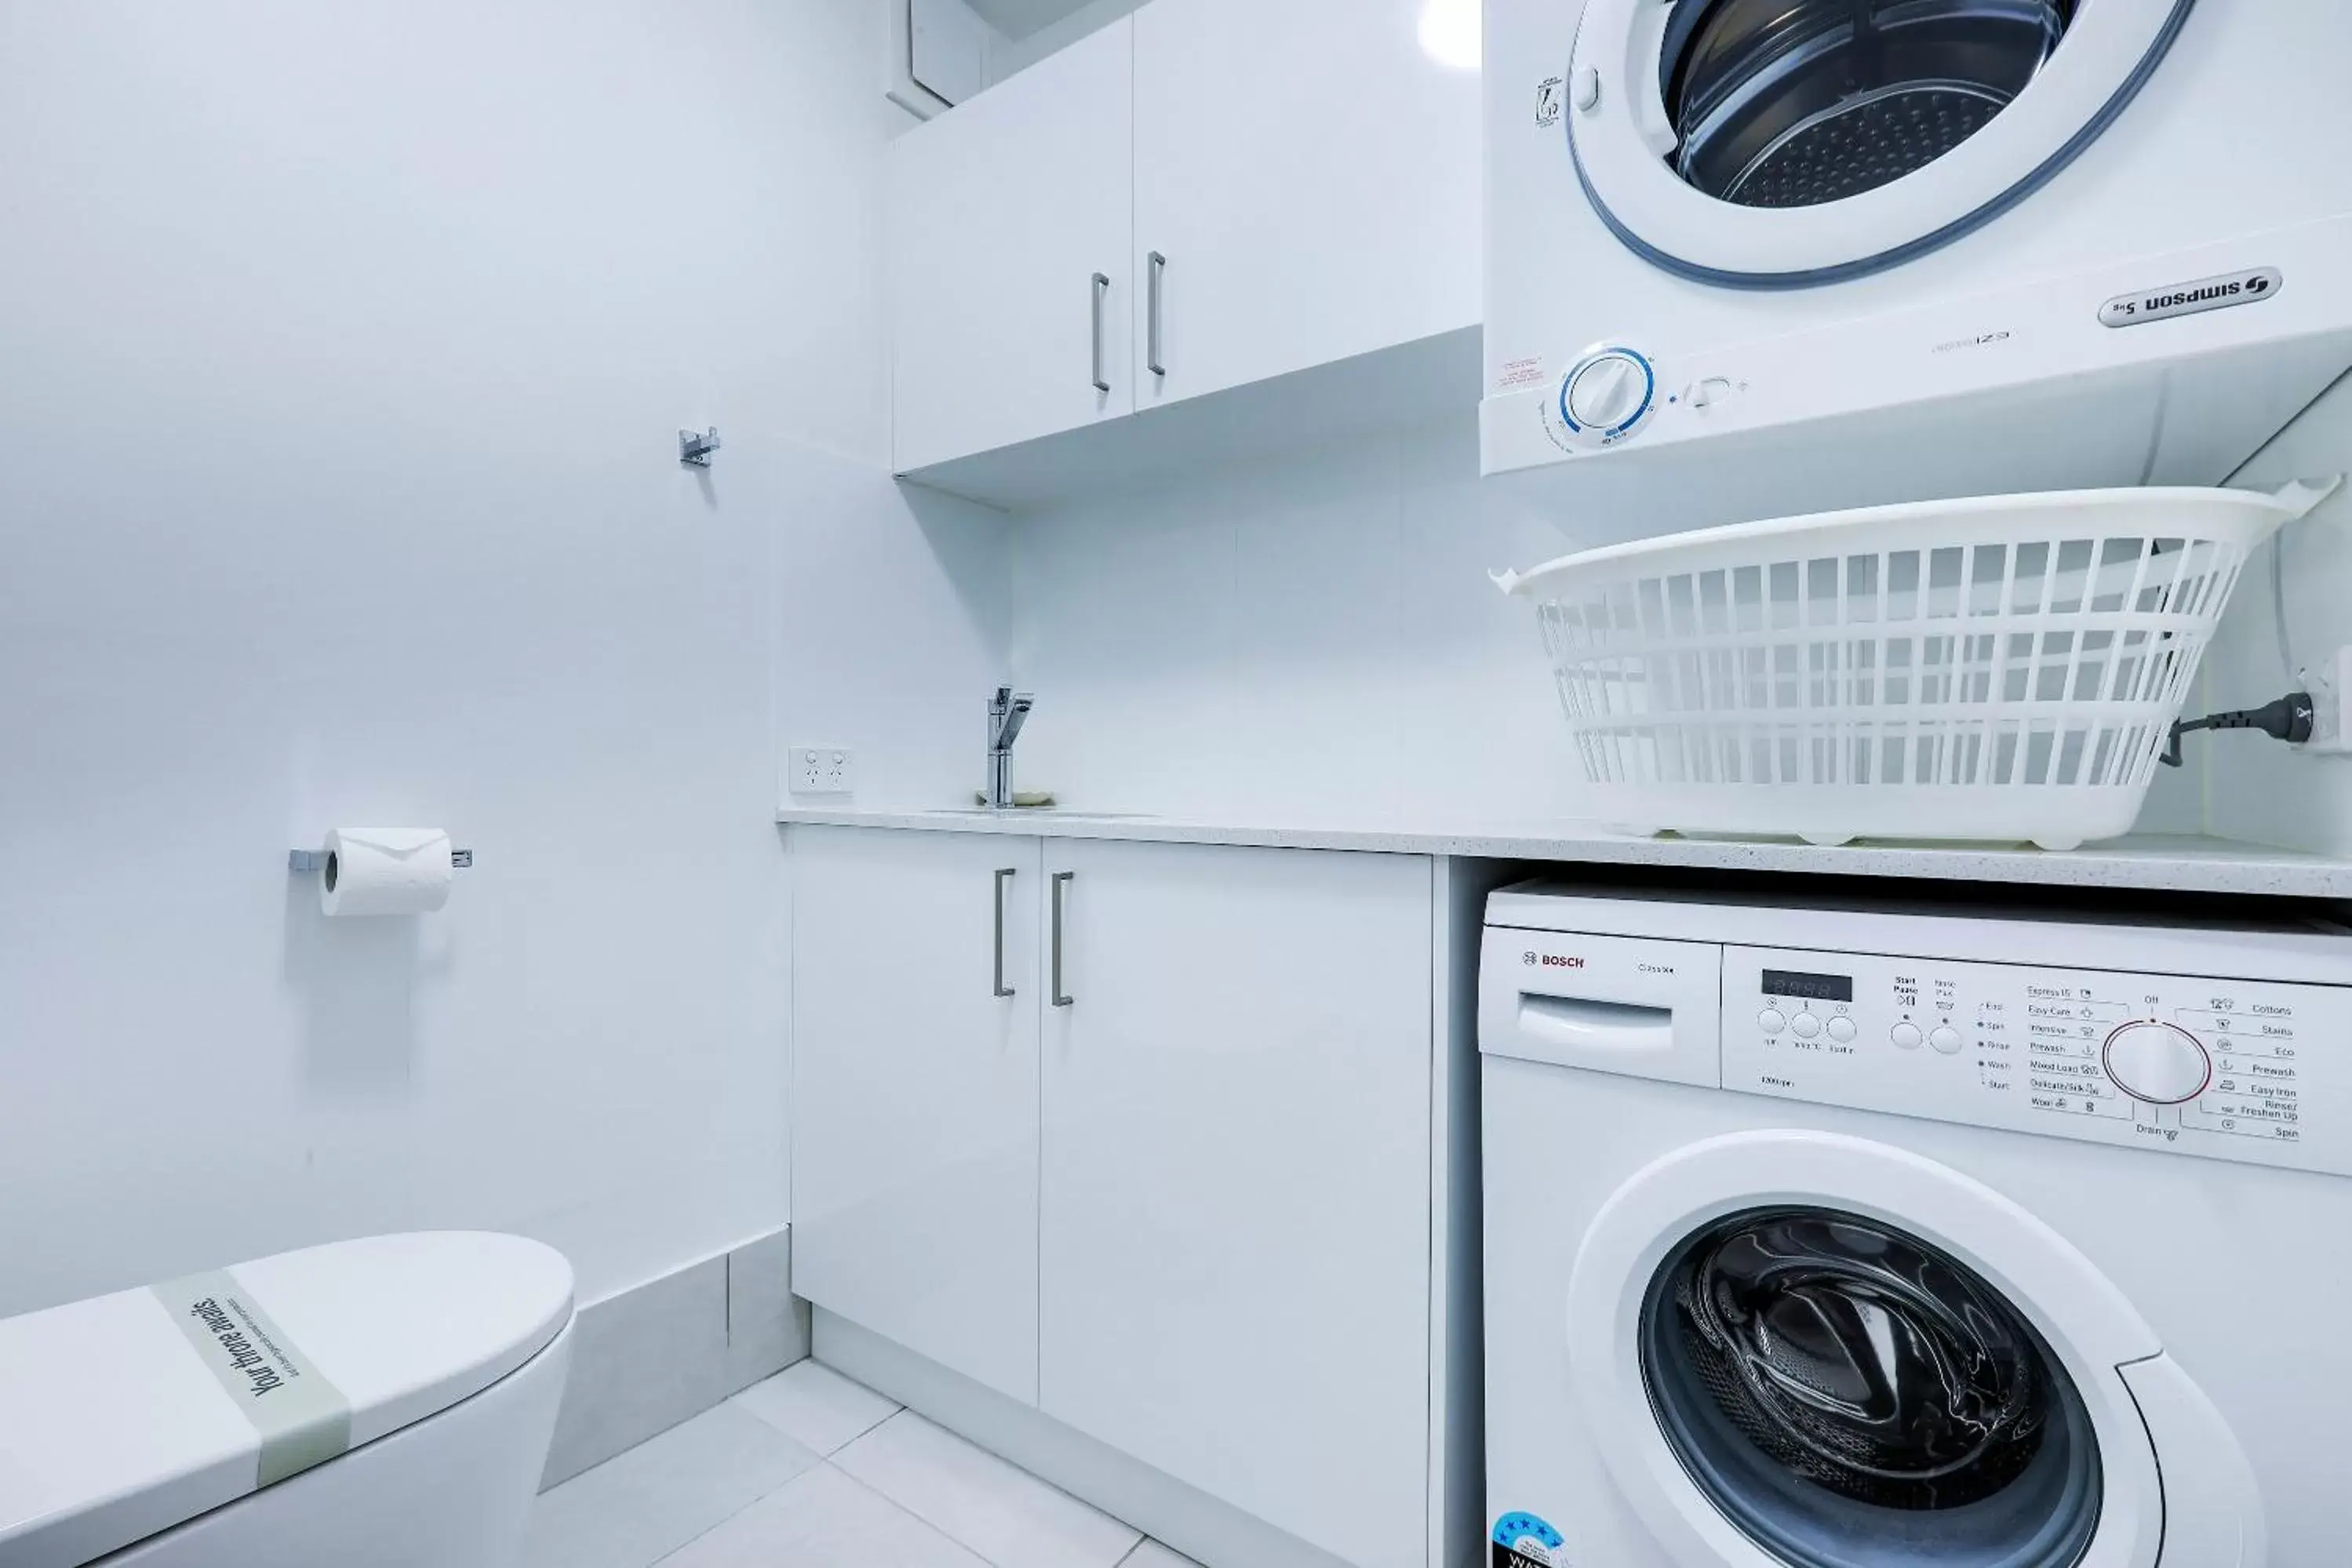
1998 669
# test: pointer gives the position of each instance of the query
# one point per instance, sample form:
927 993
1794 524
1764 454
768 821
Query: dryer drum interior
1792 103
1847 1395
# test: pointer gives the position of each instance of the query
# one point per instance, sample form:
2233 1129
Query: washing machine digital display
1808 987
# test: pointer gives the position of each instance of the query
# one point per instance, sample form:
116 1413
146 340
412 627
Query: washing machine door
1766 144
1815 1352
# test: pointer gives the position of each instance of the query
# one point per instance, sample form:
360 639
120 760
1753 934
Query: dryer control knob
1605 397
1609 391
2158 1064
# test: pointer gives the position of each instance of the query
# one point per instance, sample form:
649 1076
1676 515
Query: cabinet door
1312 176
1003 213
1234 1243
914 1098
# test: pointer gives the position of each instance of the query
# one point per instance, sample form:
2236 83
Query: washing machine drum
1850 1396
1742 140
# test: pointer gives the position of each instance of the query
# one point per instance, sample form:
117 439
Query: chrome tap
1008 710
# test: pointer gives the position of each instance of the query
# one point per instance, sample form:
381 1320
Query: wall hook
696 449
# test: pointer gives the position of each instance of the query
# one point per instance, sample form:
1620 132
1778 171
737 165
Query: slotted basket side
2051 662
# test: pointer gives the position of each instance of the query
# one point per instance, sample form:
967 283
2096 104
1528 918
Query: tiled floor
811 1470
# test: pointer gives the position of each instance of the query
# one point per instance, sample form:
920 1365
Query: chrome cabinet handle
1003 876
1152 355
1102 287
1062 880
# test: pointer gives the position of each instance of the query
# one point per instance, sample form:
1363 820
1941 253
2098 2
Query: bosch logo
1554 961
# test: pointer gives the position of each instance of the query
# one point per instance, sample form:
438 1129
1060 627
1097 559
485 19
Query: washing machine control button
2158 1064
1806 1025
1770 1021
1907 1036
1945 1038
1841 1030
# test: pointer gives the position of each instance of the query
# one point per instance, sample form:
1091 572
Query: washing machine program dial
2157 1063
1605 397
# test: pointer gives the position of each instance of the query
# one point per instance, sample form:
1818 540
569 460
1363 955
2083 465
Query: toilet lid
127 1413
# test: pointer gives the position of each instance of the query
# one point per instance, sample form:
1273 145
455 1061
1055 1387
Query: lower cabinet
1174 1189
1235 1238
914 1092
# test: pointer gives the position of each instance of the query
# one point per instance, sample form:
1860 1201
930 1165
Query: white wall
2256 788
1313 635
1316 639
341 353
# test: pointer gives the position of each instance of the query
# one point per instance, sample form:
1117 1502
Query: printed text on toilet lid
303 1420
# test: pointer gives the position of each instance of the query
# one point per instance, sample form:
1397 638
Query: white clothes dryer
1894 249
1861 1238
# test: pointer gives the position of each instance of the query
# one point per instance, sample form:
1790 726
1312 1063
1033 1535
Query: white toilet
375 1404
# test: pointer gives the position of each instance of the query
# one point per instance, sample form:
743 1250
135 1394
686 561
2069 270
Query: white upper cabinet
1310 174
1283 199
1011 223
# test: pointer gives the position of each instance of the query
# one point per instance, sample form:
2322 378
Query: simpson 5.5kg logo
2193 297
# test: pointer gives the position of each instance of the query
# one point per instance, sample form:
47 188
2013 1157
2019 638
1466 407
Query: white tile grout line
941 1531
862 1431
699 1534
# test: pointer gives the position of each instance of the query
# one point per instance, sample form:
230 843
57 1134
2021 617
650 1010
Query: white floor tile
823 1519
1152 1554
1006 1514
816 1407
631 1509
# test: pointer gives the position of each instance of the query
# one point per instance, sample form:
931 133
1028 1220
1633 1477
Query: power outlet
2331 705
824 770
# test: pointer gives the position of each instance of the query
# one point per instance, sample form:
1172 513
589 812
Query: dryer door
1823 1352
1766 144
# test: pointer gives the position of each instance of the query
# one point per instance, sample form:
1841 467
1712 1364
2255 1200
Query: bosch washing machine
1855 1237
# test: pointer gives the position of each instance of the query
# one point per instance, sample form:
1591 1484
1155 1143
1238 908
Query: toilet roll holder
302 860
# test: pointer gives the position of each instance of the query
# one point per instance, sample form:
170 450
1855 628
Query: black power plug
2288 719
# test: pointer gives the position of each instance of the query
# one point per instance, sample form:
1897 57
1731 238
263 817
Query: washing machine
1873 1237
1869 250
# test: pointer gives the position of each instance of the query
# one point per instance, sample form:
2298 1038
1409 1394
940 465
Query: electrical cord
2289 719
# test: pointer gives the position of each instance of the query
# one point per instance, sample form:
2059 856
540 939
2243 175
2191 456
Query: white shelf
2153 862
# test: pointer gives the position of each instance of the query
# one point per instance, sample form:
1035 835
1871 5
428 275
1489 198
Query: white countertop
2176 863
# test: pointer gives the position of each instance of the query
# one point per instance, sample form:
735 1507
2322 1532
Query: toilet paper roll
385 871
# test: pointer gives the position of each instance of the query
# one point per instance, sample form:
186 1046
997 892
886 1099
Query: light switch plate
823 770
